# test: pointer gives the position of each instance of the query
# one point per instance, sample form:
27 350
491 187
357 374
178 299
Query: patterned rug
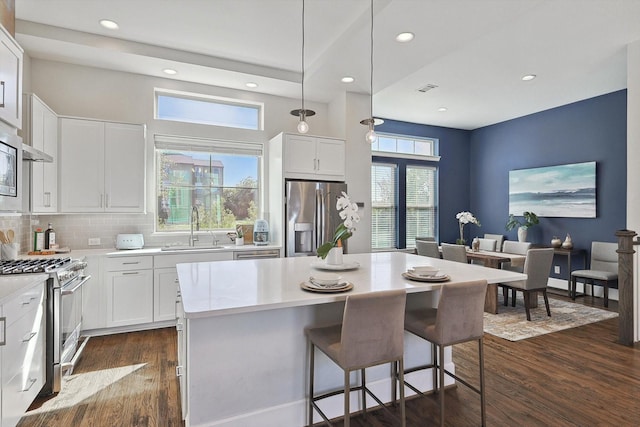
511 322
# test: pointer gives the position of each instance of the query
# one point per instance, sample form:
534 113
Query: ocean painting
554 191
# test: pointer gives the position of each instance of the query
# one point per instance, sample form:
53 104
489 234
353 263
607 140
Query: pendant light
370 136
303 127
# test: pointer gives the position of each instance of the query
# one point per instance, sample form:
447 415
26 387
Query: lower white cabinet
23 352
129 286
165 287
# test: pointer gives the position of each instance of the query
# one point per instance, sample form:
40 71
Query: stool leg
441 371
347 408
482 399
434 362
606 294
403 416
394 378
364 394
311 363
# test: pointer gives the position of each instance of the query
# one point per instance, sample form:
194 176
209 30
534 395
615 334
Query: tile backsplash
74 231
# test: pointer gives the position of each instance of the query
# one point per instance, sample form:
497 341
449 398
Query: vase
522 234
334 257
568 243
556 242
239 241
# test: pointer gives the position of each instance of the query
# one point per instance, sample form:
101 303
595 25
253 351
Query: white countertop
228 287
11 285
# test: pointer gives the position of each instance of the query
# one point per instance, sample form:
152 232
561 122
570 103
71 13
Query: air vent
427 88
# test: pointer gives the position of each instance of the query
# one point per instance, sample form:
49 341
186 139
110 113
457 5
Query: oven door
70 320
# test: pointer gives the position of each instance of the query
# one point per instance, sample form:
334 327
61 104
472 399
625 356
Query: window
207 110
403 192
218 178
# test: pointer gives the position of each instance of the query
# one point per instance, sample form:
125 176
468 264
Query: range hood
30 154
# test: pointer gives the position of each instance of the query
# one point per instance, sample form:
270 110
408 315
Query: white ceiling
474 51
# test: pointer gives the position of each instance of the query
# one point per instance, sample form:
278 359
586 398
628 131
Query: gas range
35 265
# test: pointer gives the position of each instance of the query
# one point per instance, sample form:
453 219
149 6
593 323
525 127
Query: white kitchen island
243 354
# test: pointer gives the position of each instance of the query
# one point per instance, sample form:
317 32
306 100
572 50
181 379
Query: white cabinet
94 312
102 166
23 352
311 157
129 286
10 80
41 132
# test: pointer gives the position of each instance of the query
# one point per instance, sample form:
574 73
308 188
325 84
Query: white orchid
349 214
463 218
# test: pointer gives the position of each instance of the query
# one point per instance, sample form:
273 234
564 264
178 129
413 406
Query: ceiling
474 51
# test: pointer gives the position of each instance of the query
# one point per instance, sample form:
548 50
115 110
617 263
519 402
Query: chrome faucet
194 214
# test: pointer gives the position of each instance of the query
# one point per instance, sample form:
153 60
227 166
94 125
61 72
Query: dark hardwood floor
577 377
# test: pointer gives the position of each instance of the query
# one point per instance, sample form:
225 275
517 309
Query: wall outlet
556 269
94 241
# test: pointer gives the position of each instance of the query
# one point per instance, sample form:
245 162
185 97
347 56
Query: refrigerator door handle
318 220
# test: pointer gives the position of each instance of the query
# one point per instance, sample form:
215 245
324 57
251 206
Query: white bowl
424 270
326 279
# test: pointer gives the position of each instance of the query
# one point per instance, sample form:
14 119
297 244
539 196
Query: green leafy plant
529 219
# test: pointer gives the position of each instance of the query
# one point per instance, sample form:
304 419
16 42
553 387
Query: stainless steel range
63 312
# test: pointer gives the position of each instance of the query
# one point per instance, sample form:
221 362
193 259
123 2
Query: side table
569 254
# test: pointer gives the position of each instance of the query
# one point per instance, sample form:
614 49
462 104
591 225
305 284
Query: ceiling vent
427 88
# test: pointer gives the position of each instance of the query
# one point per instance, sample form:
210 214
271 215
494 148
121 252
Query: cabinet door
37 168
124 167
94 296
44 176
165 290
330 155
82 165
299 156
129 297
10 80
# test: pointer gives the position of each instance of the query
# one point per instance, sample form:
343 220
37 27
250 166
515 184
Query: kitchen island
242 350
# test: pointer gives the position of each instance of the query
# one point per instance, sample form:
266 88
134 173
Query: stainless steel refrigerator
311 215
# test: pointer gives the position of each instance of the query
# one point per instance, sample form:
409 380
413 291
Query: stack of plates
326 283
412 274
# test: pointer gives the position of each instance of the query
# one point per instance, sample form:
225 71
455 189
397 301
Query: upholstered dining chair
371 333
458 318
499 238
457 253
537 266
603 270
427 248
488 244
513 247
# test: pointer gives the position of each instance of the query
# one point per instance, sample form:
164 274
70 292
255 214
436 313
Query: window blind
183 143
420 200
383 205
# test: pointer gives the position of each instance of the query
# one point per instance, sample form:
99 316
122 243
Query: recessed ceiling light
109 24
170 71
251 85
405 37
347 79
528 77
442 109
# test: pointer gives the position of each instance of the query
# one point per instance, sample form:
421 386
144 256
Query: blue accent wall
475 165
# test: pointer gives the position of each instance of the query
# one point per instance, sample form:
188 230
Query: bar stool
458 318
371 333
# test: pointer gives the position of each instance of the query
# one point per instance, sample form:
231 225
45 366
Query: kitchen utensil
10 236
3 237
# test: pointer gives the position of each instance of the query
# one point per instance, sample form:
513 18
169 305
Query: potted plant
529 219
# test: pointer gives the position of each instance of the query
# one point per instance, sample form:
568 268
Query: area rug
511 322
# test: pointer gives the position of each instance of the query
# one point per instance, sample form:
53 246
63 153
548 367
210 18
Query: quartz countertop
13 284
228 287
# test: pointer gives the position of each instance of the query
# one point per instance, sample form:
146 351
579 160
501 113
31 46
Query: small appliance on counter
261 232
129 241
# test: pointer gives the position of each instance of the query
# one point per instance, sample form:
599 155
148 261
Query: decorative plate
438 278
341 287
321 265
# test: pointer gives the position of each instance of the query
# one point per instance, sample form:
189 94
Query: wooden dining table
494 260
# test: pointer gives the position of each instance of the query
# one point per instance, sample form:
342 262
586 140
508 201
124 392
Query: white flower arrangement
464 218
349 215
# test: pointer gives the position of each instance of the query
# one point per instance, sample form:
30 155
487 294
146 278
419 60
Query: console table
568 254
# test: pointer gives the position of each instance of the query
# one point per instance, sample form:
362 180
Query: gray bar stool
458 318
371 333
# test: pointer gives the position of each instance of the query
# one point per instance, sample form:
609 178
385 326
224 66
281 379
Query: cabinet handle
32 381
131 263
27 302
129 272
101 197
28 337
178 371
106 202
47 199
318 164
2 89
3 339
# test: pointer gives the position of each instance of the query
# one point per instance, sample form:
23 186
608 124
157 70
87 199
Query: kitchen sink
193 248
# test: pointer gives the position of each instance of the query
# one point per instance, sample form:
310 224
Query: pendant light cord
303 56
371 77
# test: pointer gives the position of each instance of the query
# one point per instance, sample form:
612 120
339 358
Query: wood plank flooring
577 377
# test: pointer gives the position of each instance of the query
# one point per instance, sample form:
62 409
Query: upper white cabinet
10 80
310 157
41 132
102 166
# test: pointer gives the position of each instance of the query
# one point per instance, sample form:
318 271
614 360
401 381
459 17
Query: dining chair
488 244
457 253
513 247
537 266
427 248
499 238
371 333
603 270
458 318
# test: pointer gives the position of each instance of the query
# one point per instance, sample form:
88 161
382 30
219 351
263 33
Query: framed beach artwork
554 191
